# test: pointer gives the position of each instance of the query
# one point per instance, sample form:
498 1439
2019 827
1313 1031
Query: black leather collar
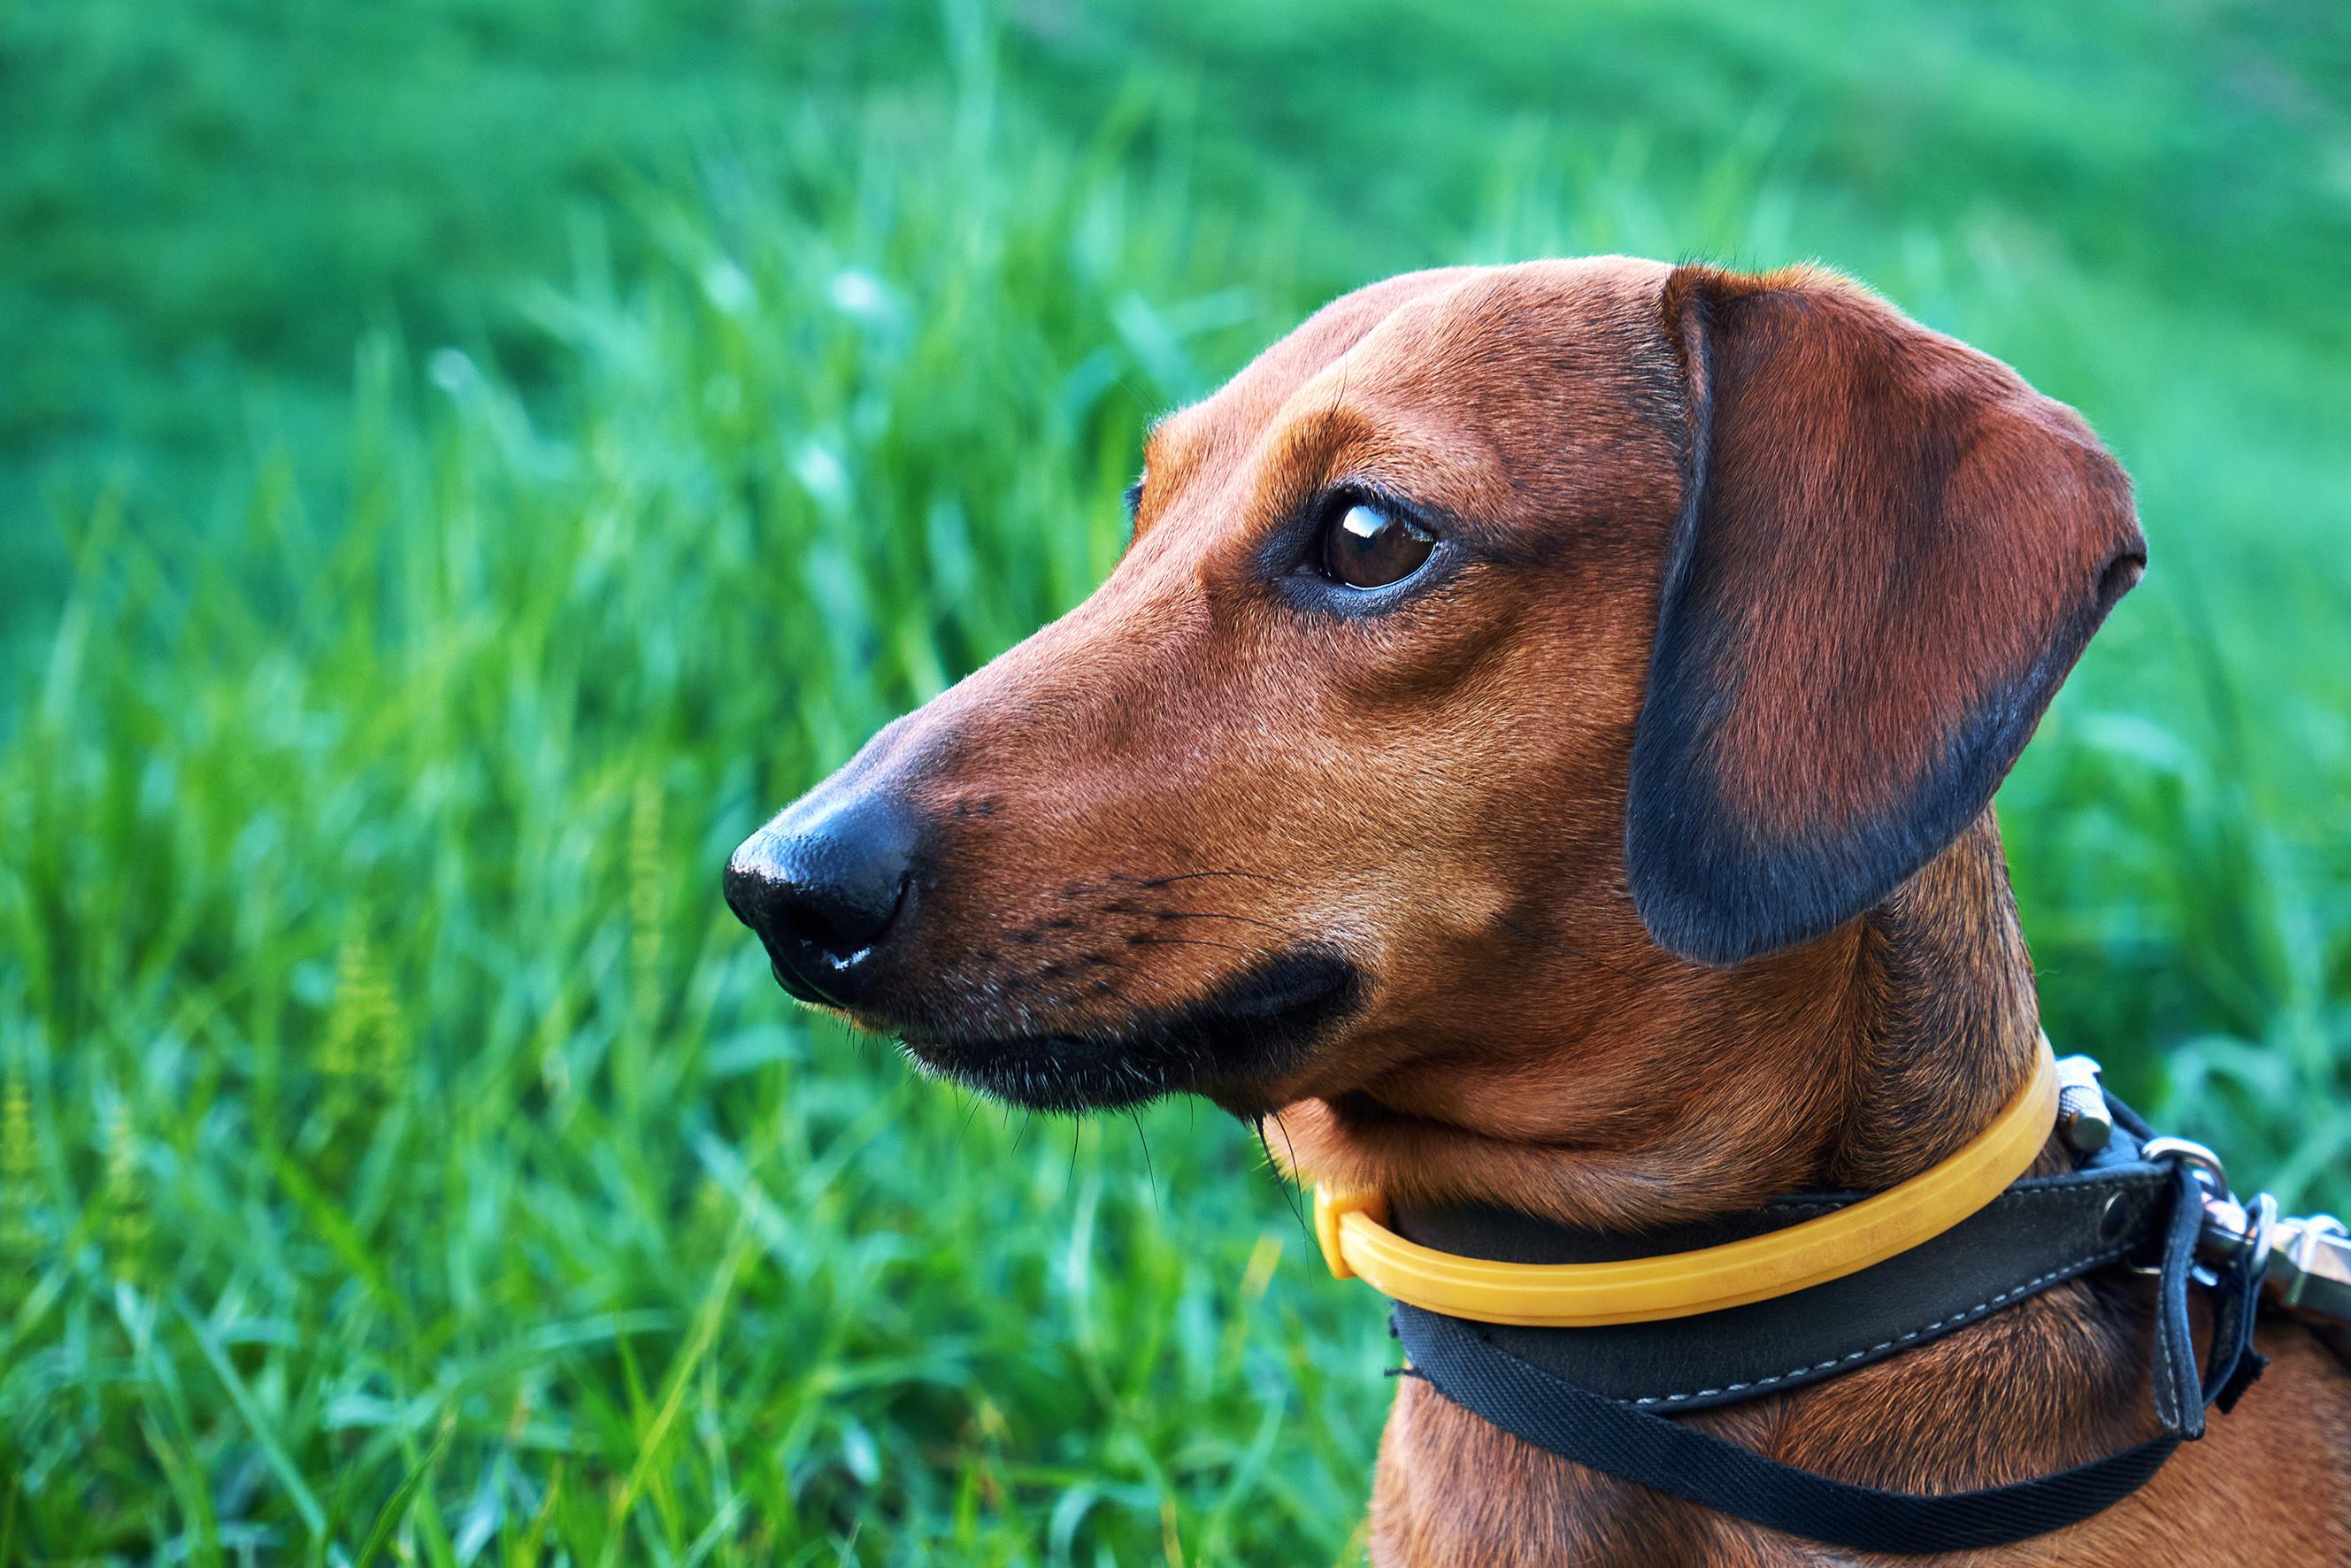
1601 1396
2042 1231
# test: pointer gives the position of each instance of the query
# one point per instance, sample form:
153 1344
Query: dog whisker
1143 1141
1165 990
1283 932
1289 1189
1141 941
1158 881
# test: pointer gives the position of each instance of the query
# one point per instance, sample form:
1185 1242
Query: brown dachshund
1538 749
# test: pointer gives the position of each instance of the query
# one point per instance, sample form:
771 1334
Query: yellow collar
1357 1243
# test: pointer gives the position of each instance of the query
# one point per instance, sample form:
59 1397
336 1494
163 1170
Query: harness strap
1459 1360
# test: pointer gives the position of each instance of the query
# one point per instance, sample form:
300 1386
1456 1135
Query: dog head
1498 643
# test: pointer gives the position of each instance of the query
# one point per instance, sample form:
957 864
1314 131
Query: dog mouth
1249 1031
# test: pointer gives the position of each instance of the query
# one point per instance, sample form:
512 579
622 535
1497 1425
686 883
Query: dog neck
1677 1093
1946 1015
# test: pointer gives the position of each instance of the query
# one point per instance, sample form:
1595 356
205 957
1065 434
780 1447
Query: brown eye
1364 547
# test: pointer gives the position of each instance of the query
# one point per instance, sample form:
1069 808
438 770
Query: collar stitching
1955 1320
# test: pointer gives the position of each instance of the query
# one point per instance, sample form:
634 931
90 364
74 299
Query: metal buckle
2305 1260
2195 1155
2310 1268
2226 1228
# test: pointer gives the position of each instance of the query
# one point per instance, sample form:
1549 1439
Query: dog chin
1253 1030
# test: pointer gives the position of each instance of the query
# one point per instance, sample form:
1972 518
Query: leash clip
2232 1234
2304 1262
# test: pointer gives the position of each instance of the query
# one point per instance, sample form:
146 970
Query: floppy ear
1890 552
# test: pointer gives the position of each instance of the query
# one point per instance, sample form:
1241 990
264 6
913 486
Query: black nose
823 890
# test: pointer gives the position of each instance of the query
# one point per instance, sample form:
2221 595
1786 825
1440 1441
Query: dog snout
824 886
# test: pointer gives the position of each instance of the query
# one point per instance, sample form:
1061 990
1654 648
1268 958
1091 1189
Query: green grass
418 586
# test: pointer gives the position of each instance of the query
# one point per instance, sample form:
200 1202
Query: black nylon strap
1635 1445
1461 1362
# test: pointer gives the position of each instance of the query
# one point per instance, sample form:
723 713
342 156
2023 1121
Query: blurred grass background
463 462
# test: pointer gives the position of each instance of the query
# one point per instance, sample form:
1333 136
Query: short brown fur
1192 771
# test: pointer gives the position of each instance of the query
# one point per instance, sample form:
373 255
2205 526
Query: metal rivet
2112 1219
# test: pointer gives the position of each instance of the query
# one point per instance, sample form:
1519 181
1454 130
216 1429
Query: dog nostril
841 921
823 895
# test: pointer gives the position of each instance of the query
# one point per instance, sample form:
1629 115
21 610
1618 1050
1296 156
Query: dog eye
1364 547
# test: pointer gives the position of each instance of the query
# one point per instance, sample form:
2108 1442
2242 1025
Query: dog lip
1249 1027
